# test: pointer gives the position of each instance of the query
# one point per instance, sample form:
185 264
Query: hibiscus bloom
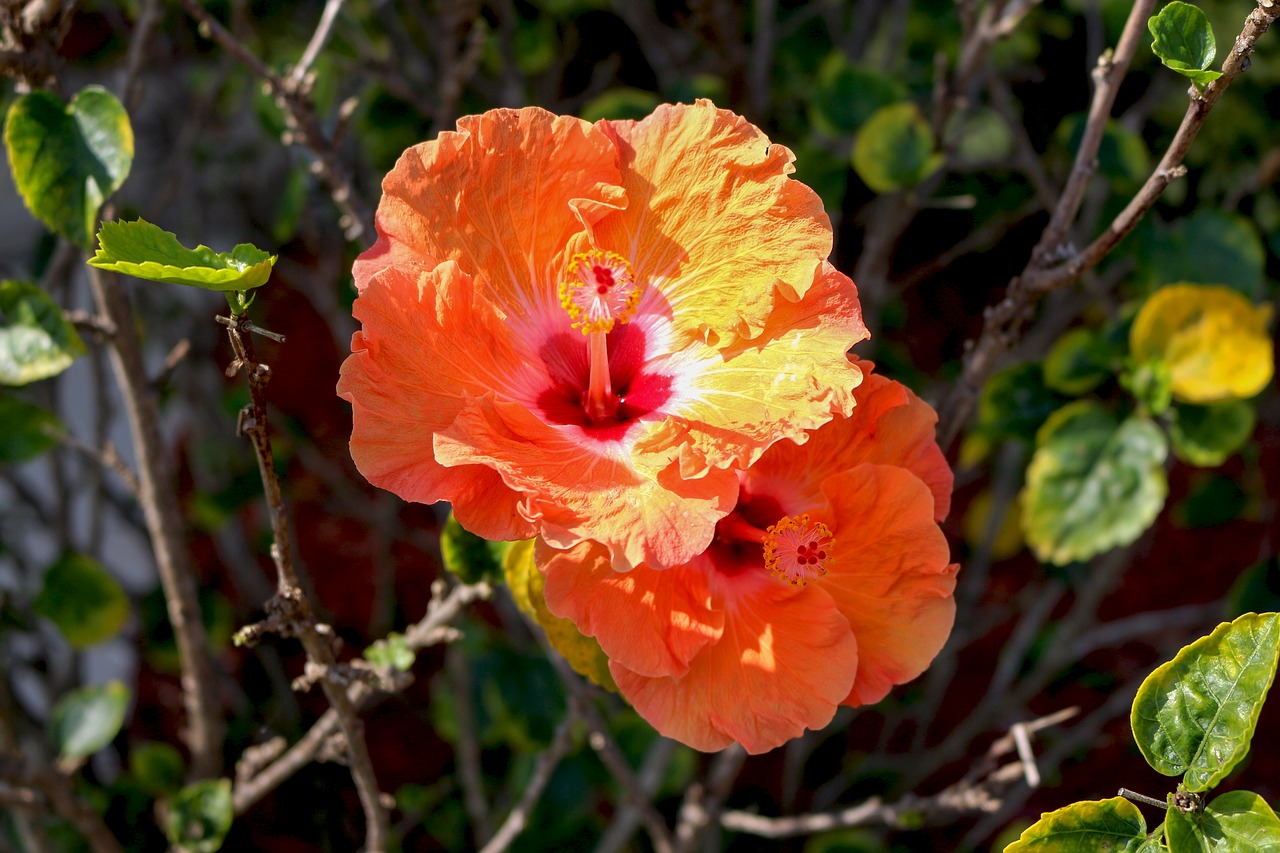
584 331
828 583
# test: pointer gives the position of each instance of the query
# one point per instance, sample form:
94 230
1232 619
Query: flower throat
599 290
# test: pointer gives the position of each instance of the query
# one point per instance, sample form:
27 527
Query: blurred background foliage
1117 490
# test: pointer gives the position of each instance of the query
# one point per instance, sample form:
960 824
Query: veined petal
890 575
713 218
501 196
577 490
890 426
792 377
785 661
426 344
668 614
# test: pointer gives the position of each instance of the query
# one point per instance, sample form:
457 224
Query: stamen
798 550
599 290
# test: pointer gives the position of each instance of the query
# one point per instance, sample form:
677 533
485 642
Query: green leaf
1094 482
85 720
847 95
1078 362
1236 822
28 430
469 557
1114 825
1151 384
1195 715
199 816
1016 402
36 341
895 149
1206 247
157 767
83 600
143 250
1183 39
622 102
1122 153
392 651
1208 435
68 159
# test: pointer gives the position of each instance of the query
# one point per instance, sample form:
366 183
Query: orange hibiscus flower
584 331
828 583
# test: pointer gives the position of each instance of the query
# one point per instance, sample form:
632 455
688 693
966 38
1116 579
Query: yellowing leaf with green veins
895 149
67 159
143 250
1213 340
527 584
1114 825
1095 482
1236 822
1195 715
36 341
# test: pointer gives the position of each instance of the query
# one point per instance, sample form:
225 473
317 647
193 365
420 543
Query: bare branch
969 795
254 781
547 763
162 513
702 802
298 77
300 113
610 754
296 614
1053 264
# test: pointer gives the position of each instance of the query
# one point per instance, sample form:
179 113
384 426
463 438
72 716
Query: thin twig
518 818
252 786
702 802
610 754
306 128
161 510
980 791
298 77
1053 263
653 769
295 611
467 748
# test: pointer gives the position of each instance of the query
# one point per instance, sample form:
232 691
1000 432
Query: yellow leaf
526 583
1008 534
1213 340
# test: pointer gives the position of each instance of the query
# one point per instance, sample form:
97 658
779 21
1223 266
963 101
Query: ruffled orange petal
890 575
890 426
501 196
791 378
784 663
714 218
652 622
408 377
574 490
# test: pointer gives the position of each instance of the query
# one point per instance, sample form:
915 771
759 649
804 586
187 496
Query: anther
797 549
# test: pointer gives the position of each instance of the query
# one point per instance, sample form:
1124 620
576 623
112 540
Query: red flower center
798 549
